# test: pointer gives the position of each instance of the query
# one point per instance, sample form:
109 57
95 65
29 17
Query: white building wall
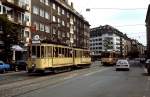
97 43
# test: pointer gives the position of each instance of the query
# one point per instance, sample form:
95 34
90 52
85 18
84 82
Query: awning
17 48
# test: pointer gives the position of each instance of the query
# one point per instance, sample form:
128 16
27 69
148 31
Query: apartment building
105 38
56 21
17 11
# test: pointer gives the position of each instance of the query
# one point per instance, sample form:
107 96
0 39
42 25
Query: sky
131 22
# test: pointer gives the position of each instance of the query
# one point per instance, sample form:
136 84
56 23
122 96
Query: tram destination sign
36 39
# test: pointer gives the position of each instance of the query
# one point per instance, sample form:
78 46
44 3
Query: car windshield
122 62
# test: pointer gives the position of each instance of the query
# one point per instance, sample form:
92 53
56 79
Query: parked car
147 65
122 64
4 67
20 65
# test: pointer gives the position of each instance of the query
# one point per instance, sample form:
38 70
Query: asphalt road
91 82
104 82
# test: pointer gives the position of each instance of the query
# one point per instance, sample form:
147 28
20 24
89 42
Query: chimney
72 4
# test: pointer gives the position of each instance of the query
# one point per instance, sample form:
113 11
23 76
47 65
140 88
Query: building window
54 31
26 18
26 34
54 18
35 10
63 22
46 2
42 1
58 20
36 25
46 15
59 10
68 34
47 29
54 6
41 27
63 11
68 15
68 25
41 13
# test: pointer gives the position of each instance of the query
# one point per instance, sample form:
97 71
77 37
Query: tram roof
57 45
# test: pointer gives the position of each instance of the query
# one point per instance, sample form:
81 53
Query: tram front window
35 51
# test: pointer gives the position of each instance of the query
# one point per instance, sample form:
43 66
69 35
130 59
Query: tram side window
60 52
85 54
63 52
66 52
42 51
29 52
70 52
56 51
75 53
33 51
78 53
49 51
38 51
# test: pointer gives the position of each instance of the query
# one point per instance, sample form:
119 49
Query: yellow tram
109 58
56 58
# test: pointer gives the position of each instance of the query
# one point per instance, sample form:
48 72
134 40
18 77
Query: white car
122 64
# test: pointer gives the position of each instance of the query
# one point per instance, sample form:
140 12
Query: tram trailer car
56 58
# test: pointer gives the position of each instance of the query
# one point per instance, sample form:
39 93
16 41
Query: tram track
31 84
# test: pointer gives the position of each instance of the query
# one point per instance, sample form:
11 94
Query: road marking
144 96
91 73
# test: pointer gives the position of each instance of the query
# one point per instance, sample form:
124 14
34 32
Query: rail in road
34 82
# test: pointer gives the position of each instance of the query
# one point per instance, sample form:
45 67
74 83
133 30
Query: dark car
20 65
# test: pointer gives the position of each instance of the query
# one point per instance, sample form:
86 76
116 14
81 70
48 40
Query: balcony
21 6
17 20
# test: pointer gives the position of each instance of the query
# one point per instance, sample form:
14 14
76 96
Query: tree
9 36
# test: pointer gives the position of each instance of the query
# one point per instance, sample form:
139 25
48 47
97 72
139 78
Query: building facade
56 21
106 38
147 21
17 12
